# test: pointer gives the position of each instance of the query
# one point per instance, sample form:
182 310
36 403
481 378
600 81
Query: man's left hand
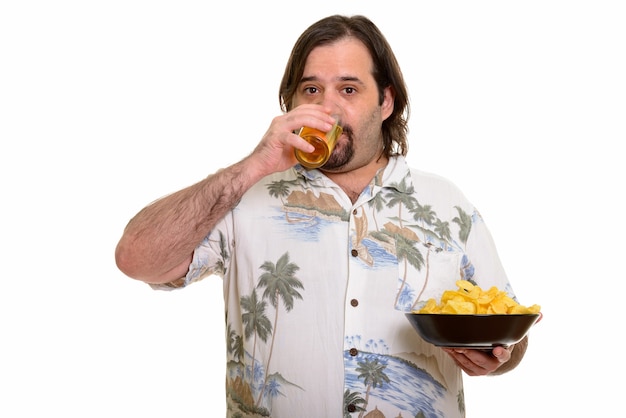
480 362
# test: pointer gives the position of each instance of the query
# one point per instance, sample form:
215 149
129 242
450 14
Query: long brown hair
386 71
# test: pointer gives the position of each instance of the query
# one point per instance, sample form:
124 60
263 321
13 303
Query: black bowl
472 331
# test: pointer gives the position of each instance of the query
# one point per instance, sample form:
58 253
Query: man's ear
388 103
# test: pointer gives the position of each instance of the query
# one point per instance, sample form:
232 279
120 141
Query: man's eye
349 90
310 90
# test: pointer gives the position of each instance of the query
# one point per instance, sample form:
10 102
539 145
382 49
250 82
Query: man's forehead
345 60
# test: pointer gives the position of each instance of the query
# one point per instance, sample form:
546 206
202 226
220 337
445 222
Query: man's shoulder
401 170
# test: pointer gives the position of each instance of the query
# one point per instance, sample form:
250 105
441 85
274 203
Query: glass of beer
324 144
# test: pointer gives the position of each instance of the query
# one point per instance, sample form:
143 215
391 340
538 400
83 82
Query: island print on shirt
251 386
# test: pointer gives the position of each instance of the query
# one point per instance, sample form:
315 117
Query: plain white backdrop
106 106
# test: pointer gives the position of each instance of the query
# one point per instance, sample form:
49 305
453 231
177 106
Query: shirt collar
396 175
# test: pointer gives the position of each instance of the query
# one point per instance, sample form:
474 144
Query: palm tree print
238 348
460 398
354 399
280 284
423 214
377 203
234 343
255 323
401 195
373 376
280 189
464 221
407 252
443 230
220 267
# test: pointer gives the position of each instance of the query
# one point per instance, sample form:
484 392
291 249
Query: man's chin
334 165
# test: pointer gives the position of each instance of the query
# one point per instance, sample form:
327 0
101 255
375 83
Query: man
320 265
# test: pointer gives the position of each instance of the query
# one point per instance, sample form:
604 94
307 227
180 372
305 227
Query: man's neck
354 181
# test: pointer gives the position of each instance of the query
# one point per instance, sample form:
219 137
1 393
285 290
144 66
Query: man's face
339 76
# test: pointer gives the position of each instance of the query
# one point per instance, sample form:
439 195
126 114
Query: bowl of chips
470 317
472 331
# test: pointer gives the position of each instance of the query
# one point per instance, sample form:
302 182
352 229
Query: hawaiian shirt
316 289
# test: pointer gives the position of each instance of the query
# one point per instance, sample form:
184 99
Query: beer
324 144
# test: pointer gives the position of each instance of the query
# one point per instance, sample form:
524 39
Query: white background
108 105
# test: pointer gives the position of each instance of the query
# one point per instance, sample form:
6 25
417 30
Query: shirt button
354 253
354 352
351 408
354 212
354 302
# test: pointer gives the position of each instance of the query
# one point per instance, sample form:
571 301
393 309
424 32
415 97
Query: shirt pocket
425 271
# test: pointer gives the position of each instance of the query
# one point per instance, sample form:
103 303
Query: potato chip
470 299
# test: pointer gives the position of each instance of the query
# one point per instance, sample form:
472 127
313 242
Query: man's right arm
158 243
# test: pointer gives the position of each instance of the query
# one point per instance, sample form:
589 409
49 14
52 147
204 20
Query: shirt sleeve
211 257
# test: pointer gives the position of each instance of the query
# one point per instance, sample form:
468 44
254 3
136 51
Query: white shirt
316 287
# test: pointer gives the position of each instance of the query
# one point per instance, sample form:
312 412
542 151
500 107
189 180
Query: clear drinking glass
324 143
